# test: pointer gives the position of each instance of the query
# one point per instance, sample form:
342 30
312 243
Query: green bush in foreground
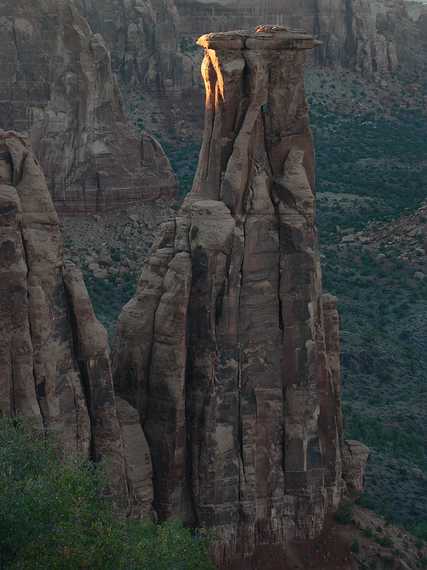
53 515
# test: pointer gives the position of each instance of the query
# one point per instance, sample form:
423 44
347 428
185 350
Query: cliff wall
56 83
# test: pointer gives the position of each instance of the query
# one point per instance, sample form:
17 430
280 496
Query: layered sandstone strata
56 83
230 349
54 355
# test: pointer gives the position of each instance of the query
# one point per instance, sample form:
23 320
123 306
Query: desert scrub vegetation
384 367
109 296
54 515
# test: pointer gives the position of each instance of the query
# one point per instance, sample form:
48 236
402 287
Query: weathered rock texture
230 349
57 84
152 43
54 356
353 32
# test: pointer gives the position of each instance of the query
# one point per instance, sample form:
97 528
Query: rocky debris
382 545
54 354
117 243
57 84
230 349
356 456
404 238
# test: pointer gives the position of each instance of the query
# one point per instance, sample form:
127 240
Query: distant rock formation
56 83
54 355
229 349
153 43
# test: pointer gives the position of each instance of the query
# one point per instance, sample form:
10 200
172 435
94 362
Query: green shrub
344 514
53 515
355 547
384 541
420 531
368 533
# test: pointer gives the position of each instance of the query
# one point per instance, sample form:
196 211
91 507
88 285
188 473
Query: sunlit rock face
230 349
54 356
56 83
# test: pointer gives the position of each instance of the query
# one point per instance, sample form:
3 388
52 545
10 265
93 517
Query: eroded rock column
224 348
54 355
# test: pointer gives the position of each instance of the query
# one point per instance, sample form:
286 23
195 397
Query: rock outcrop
56 83
229 349
349 30
153 44
54 355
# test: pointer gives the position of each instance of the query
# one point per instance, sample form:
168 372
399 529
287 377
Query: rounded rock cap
262 37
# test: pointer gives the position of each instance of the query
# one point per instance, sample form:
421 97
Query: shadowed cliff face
56 83
230 349
54 355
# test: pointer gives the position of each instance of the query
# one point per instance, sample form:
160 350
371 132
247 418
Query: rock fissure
85 380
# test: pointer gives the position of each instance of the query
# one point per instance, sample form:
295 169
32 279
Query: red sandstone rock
56 83
152 43
54 355
229 348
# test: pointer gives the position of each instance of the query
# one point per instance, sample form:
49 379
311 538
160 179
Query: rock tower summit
230 349
263 37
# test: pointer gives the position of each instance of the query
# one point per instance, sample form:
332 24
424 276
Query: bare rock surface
406 235
54 354
154 56
230 349
57 84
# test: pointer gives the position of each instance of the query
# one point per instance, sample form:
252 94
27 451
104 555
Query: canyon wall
230 349
56 83
54 355
153 44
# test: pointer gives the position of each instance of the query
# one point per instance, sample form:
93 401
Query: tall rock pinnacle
229 348
54 356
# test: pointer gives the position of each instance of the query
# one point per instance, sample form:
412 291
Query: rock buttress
54 356
229 348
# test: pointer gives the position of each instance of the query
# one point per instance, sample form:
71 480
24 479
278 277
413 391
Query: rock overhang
261 38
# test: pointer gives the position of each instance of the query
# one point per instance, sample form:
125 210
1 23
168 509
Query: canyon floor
372 167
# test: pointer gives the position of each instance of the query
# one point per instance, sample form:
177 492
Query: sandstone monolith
230 349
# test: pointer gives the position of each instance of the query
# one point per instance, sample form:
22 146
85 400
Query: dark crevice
189 467
274 197
85 381
98 205
12 387
27 263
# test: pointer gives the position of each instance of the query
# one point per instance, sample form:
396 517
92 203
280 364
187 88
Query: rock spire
230 349
54 356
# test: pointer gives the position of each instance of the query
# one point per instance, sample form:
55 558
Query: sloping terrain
372 173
